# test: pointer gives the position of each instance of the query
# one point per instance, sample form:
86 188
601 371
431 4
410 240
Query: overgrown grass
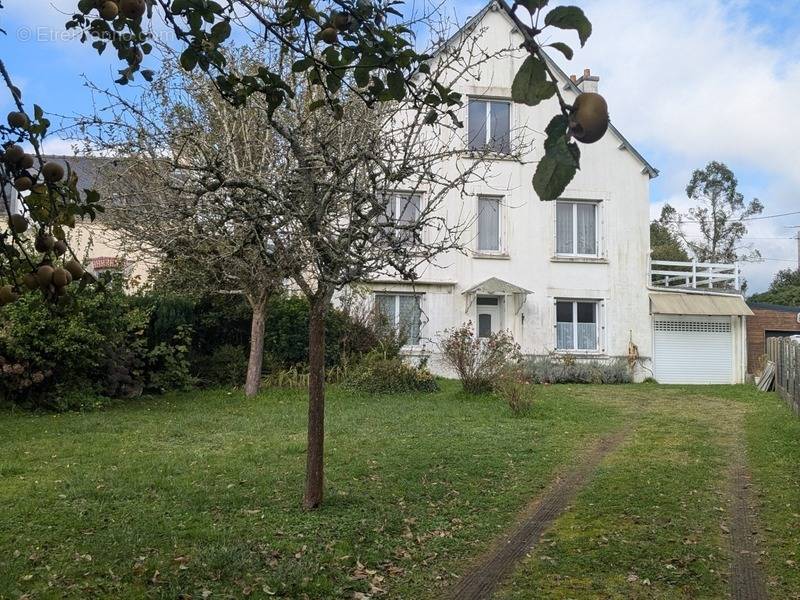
773 437
653 522
196 493
201 491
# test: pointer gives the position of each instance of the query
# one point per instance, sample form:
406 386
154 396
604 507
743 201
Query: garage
698 338
693 349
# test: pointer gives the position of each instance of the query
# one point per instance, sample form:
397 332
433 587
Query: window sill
581 353
491 255
476 155
414 350
590 260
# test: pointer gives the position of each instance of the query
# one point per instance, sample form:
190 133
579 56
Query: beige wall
93 240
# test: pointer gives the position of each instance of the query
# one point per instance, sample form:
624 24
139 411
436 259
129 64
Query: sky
687 82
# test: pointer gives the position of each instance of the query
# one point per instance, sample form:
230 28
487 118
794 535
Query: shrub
225 366
378 373
515 391
568 369
95 344
225 321
478 362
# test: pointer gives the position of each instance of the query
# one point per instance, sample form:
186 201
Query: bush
226 366
95 344
478 362
515 391
221 338
378 373
567 369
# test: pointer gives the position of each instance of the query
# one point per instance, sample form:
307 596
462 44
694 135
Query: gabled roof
495 286
569 84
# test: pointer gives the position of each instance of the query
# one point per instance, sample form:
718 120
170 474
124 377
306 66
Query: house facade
571 276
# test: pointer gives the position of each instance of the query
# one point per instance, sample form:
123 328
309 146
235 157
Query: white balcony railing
694 275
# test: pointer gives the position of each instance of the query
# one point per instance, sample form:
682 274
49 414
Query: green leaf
396 84
221 31
303 64
563 48
531 85
533 5
188 59
570 17
560 162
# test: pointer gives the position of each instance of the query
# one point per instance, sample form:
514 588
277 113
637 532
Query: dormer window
489 125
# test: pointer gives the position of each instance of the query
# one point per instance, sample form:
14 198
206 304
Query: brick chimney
587 82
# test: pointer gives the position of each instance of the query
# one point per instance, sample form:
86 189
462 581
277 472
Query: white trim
599 322
488 100
502 248
598 222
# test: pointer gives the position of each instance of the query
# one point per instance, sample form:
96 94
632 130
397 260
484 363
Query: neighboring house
94 243
567 277
769 321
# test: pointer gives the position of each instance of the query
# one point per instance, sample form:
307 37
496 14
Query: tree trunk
316 403
256 360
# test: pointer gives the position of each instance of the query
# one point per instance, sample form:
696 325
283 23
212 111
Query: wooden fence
785 353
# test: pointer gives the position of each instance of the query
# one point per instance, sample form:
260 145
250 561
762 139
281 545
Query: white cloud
698 81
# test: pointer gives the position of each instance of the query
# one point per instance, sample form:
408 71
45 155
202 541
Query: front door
488 315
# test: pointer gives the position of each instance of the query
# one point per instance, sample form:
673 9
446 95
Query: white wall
610 175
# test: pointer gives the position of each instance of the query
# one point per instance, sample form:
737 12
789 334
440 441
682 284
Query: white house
571 276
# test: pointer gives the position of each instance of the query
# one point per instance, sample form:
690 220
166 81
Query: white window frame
392 201
396 316
600 305
488 120
501 249
598 204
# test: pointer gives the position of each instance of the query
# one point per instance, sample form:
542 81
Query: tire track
481 581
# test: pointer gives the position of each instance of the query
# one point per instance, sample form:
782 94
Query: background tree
715 228
784 289
665 245
190 164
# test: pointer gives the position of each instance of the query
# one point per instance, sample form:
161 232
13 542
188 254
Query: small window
403 211
576 228
488 301
488 224
403 312
577 325
489 125
484 325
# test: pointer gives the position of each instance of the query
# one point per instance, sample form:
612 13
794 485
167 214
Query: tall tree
714 229
176 194
784 289
665 245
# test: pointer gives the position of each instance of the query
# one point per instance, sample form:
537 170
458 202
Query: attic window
489 125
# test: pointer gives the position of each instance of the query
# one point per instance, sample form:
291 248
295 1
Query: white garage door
693 349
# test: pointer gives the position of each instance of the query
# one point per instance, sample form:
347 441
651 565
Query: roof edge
651 171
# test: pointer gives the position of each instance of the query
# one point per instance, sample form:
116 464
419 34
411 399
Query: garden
197 494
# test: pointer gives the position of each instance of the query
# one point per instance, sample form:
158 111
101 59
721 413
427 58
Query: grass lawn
198 495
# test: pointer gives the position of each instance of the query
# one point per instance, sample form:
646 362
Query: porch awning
495 287
717 305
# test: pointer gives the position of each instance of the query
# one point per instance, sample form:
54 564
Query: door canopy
497 287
